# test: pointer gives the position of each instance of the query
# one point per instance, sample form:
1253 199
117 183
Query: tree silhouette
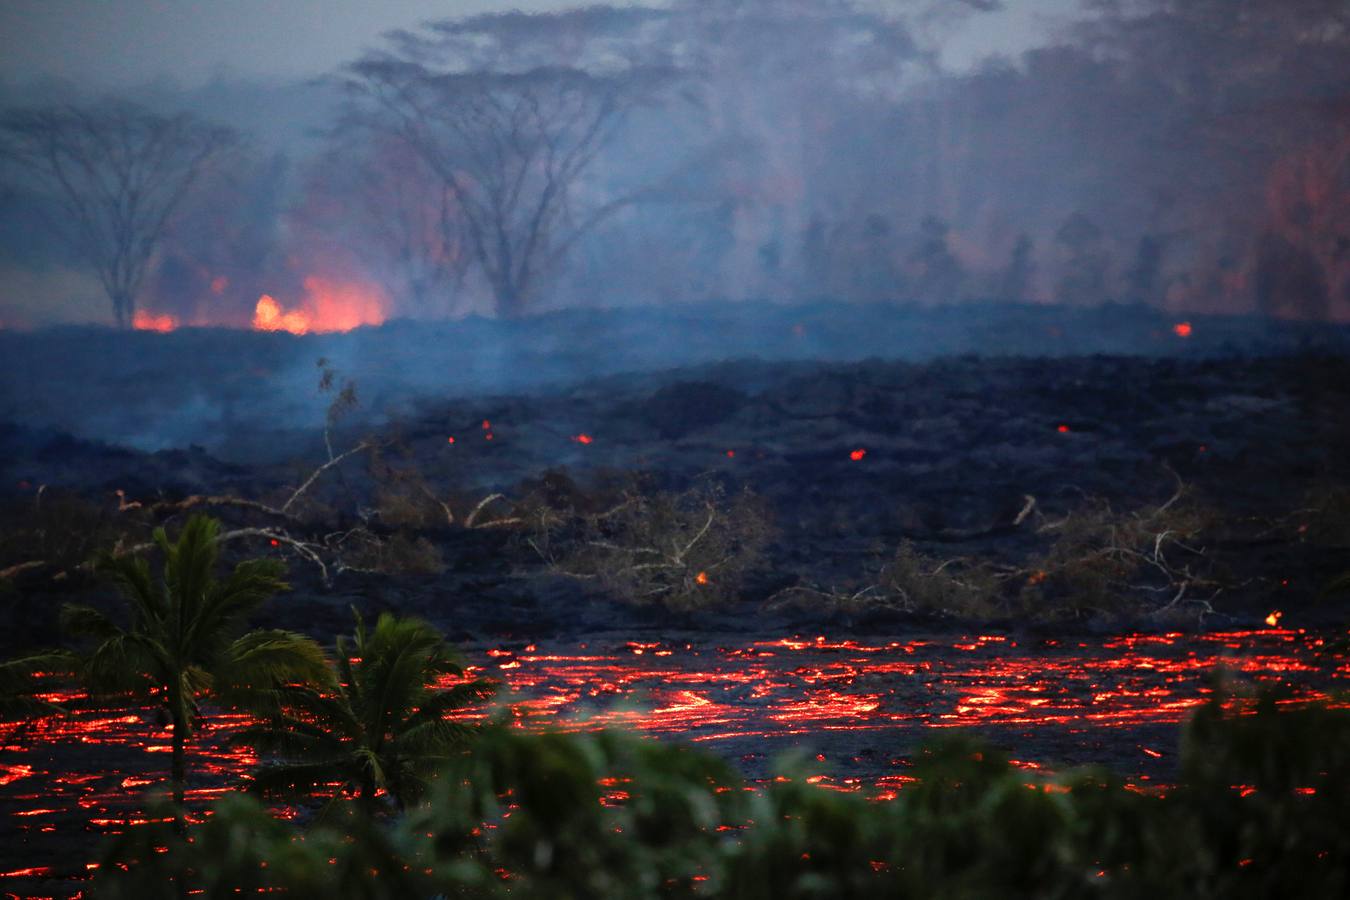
119 171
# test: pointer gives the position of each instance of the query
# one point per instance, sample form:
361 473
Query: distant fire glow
326 306
858 454
1182 329
583 438
1274 618
147 321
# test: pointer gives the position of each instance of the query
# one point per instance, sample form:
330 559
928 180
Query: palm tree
186 637
383 728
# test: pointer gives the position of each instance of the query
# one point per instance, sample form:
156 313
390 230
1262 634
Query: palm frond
228 603
126 663
130 575
82 621
262 661
20 683
189 564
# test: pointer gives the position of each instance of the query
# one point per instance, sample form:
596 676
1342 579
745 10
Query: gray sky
113 44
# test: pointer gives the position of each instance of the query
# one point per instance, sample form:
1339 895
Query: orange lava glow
88 768
147 321
1273 619
1182 329
326 306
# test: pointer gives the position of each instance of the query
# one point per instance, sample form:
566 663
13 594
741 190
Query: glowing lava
1273 619
864 701
327 306
147 321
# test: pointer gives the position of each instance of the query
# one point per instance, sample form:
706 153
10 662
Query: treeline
1189 154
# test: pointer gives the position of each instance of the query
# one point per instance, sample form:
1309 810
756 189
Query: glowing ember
857 454
450 440
145 321
1063 429
327 306
583 438
701 578
1273 620
1182 329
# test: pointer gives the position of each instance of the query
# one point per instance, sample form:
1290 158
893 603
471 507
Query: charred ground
1197 482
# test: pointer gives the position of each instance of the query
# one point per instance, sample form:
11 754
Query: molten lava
327 306
146 321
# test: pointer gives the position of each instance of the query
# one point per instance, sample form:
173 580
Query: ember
1182 329
857 454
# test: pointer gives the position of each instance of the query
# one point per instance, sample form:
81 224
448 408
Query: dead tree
118 171
512 148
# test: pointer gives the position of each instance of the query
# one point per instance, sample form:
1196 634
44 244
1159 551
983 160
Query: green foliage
378 726
186 636
1258 813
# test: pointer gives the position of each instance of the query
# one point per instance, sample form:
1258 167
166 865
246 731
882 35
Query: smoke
787 152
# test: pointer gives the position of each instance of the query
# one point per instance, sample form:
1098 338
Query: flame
701 577
267 316
1273 620
145 321
858 454
583 438
327 306
1182 329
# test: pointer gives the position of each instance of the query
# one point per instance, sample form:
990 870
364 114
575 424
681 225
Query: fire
583 439
146 321
267 316
858 454
1063 429
701 577
1273 620
327 306
1182 329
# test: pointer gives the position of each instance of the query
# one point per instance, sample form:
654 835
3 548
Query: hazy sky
112 44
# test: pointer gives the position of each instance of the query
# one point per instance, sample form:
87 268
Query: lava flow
861 705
